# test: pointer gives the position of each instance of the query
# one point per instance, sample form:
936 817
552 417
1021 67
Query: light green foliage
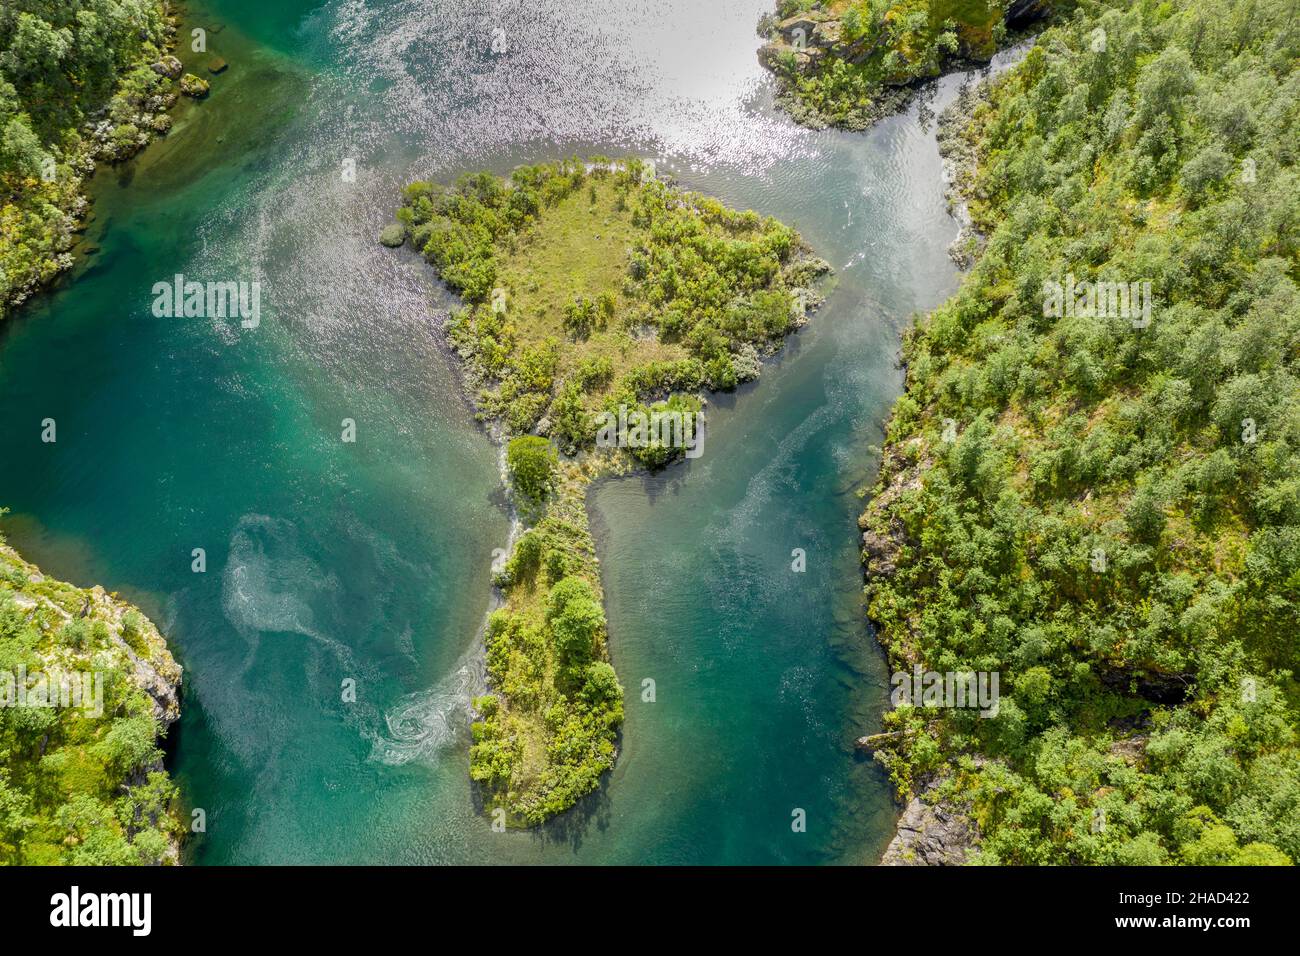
857 73
531 461
544 742
549 729
78 786
1114 525
61 60
588 286
576 620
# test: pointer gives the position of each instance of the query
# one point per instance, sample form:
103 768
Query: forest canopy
63 62
1102 507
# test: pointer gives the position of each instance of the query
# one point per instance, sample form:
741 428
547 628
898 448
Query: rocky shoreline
931 834
959 164
104 138
127 640
551 553
805 41
931 831
807 44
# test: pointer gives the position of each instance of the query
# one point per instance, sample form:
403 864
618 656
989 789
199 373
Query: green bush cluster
458 228
77 787
588 287
548 746
582 316
1108 512
549 728
717 283
882 45
531 462
60 63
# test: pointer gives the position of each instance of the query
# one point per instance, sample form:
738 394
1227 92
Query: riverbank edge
156 674
888 100
94 147
930 831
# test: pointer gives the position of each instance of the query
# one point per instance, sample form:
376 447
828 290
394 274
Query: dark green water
328 561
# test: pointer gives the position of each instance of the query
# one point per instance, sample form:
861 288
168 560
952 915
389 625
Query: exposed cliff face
931 835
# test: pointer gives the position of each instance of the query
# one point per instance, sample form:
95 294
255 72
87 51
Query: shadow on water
574 826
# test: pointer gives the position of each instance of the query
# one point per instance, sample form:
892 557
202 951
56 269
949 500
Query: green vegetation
1105 511
531 461
590 288
848 62
549 729
82 783
64 63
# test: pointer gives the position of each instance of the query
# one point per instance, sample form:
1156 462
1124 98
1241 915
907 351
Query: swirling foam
421 724
268 583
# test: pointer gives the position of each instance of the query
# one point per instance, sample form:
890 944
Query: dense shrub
1104 510
60 62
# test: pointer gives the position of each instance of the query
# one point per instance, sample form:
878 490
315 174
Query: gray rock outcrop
931 835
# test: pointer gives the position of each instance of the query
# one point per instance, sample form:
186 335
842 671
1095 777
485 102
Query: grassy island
87 687
1092 483
600 303
848 63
